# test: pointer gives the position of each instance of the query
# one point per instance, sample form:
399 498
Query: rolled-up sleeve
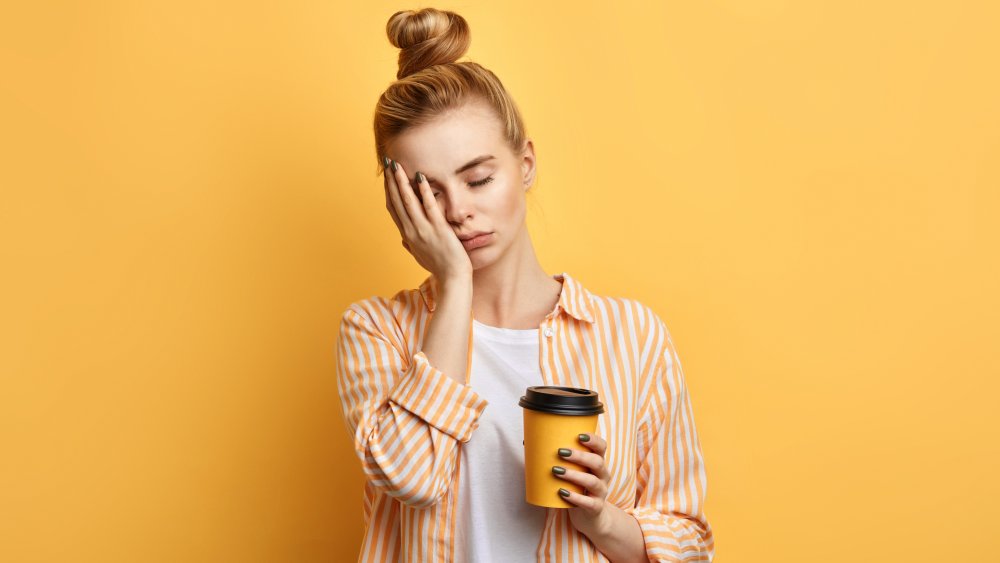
672 484
406 416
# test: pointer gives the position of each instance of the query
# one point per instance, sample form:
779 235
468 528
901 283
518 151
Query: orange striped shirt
408 420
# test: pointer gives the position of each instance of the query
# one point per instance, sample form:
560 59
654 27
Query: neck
515 291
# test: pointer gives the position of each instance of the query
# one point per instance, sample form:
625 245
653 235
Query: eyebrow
471 164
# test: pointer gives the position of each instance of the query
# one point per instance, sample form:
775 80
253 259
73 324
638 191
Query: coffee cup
554 417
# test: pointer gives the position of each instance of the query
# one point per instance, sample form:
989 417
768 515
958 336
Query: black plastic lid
561 400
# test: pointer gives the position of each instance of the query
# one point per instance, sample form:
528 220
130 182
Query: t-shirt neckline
505 334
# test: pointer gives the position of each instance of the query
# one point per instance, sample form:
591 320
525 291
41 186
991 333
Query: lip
477 241
472 235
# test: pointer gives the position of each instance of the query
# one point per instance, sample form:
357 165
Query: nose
458 207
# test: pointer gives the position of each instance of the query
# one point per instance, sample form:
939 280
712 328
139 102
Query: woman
416 372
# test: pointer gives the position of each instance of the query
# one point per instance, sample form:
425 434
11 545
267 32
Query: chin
481 256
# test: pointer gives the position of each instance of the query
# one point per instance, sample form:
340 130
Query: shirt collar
574 298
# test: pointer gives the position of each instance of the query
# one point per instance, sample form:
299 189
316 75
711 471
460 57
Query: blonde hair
431 81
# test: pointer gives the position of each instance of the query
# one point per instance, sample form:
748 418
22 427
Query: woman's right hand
425 231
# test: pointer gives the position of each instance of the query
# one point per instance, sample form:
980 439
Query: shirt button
548 331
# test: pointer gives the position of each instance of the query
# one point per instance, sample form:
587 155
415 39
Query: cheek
510 204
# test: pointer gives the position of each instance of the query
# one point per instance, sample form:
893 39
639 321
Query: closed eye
477 183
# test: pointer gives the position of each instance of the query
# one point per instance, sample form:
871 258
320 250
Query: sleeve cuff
432 395
666 543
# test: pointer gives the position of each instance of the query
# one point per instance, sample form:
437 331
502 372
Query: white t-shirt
494 523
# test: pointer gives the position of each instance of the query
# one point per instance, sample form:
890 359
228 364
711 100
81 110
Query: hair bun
427 37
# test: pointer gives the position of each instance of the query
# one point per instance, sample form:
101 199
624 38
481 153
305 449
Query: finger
589 460
592 483
583 501
414 209
429 202
388 201
599 446
406 226
595 443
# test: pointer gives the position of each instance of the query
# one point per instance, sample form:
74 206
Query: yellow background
806 192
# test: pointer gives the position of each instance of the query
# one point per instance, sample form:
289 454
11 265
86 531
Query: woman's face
478 183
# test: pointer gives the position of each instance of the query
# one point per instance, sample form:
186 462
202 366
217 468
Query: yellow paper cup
553 417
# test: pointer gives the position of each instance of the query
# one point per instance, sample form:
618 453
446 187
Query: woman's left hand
588 515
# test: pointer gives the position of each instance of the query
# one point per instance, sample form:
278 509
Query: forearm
446 341
405 439
408 441
620 539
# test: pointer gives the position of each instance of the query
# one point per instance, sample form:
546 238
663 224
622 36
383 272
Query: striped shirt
407 420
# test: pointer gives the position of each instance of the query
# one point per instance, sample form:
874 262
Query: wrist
605 526
600 528
456 282
618 535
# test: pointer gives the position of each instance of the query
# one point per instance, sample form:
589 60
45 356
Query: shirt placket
546 341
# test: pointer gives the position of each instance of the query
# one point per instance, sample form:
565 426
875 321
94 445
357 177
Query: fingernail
385 161
420 177
584 438
564 452
394 167
563 492
558 470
